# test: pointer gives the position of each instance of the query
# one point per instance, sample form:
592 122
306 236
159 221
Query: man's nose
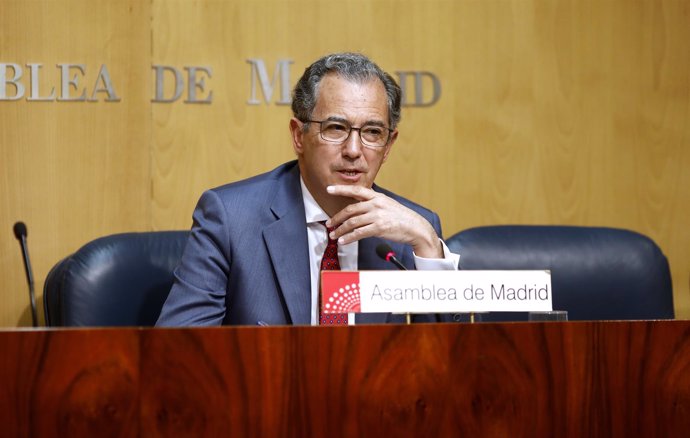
353 145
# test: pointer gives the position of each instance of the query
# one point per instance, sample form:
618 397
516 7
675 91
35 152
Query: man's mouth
351 176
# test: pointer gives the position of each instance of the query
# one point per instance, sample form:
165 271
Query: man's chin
344 201
333 204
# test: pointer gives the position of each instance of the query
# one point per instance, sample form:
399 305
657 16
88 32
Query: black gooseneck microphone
20 233
385 251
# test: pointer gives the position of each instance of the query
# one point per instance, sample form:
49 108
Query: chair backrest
596 273
117 280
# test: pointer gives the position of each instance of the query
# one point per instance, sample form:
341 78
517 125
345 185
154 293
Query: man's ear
296 133
389 146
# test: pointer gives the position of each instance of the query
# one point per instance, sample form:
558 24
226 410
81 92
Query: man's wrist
449 261
431 248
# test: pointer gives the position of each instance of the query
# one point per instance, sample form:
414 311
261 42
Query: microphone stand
20 233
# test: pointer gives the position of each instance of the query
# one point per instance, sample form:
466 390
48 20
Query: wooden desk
577 379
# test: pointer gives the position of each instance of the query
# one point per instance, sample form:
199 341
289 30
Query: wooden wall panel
198 146
72 171
552 112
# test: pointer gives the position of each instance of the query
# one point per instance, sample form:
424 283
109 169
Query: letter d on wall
419 85
160 86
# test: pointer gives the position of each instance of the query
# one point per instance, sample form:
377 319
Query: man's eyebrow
336 119
367 123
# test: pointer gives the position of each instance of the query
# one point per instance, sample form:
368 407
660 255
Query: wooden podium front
576 379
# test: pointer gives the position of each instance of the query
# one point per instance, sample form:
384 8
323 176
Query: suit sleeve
198 294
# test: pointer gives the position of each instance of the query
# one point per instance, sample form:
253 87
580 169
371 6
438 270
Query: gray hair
354 67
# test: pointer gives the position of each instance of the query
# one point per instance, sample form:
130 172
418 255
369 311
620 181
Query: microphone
385 251
20 233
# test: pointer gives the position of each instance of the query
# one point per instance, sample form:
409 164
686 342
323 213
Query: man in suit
256 245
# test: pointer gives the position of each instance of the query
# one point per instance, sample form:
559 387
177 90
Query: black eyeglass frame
349 133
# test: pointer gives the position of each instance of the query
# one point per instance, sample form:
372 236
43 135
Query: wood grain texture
72 171
551 112
594 379
69 383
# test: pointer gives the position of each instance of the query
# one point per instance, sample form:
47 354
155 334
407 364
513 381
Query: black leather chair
117 280
596 273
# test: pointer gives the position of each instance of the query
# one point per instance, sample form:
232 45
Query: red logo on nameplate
340 292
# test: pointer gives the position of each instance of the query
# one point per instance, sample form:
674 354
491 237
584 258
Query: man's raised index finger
356 192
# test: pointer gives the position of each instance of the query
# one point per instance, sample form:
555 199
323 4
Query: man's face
323 163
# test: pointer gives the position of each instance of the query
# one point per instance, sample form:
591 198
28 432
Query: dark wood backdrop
577 379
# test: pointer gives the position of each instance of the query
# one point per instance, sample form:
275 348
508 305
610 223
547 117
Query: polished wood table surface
574 379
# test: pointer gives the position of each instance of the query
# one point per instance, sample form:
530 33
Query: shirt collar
312 211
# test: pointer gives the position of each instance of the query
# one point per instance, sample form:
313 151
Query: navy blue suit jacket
246 260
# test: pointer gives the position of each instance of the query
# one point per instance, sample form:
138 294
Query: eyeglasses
338 131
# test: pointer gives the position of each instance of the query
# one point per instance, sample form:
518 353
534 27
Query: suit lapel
286 240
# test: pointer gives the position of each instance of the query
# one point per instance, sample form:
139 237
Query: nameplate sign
435 291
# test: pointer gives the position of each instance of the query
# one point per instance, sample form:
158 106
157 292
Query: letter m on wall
280 78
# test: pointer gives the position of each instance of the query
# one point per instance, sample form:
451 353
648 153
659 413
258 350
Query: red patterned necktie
330 262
